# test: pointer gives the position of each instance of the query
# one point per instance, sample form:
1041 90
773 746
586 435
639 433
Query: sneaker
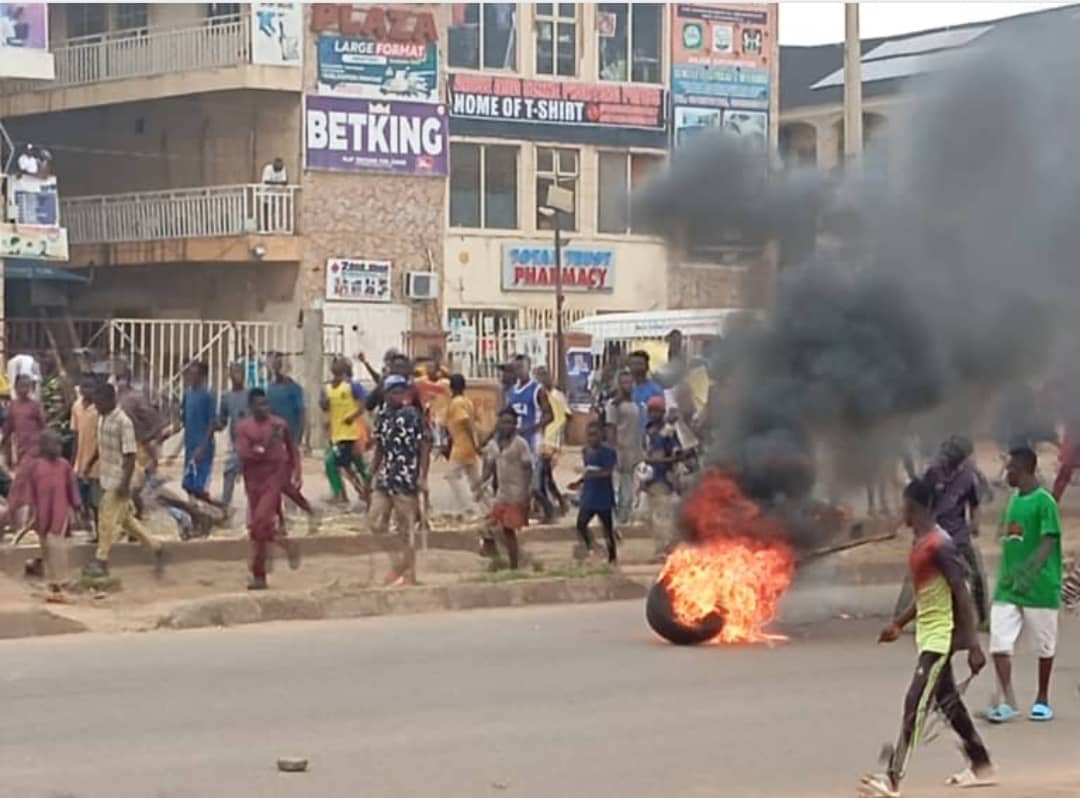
256 584
877 785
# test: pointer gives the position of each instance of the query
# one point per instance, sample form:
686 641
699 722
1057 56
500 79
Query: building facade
415 147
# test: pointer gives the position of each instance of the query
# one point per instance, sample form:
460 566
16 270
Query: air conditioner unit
422 285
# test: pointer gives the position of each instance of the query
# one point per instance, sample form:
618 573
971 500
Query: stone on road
532 703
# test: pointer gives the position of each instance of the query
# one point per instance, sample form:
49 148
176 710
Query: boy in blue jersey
529 401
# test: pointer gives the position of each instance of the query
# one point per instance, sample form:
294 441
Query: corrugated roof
812 76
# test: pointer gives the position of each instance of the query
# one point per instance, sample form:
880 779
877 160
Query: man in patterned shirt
116 515
402 455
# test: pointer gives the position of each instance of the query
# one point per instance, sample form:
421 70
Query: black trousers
583 519
934 685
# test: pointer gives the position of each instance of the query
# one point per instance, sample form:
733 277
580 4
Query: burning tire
659 615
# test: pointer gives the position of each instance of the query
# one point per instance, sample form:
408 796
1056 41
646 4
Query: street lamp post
559 200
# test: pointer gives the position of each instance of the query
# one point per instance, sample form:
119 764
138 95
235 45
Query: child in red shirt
54 505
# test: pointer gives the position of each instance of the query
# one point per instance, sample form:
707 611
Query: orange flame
739 565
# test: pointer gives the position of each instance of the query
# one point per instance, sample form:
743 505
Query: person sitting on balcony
33 162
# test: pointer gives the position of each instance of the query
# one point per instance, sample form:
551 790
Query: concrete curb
236 549
243 608
21 622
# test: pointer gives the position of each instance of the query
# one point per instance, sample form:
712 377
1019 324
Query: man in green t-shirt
1028 593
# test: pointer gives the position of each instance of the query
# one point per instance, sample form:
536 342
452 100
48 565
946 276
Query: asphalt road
529 703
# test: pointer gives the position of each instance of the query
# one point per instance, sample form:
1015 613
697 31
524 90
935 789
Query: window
222 10
483 186
85 19
620 175
130 17
483 34
629 38
555 167
556 39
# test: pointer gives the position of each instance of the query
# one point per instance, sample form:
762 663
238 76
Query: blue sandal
1002 713
1041 712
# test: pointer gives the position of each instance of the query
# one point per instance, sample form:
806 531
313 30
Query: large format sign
509 99
354 280
530 266
378 69
343 134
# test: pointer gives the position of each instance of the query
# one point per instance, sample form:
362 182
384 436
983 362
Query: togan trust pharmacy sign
530 266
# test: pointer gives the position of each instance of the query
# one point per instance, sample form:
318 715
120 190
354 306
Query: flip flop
1002 713
968 778
1041 712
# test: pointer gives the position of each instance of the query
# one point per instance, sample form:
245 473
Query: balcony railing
183 213
141 52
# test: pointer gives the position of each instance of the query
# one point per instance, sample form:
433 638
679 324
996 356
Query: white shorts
1007 621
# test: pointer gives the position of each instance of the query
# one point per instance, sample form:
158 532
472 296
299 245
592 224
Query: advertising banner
275 33
28 241
509 99
579 369
24 25
34 202
345 134
712 35
378 69
720 85
352 280
530 266
721 59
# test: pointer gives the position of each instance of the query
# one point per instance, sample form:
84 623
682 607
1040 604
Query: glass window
483 34
620 174
464 185
500 187
613 195
556 39
628 42
556 167
130 17
85 19
489 202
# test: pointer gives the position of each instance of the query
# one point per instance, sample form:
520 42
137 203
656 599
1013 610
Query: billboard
345 134
24 41
275 34
378 69
358 280
722 58
30 241
530 266
32 201
510 99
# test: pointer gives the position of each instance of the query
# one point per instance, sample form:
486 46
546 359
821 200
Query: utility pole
853 120
559 200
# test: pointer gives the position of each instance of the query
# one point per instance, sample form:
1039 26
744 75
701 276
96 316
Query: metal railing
181 213
157 350
143 52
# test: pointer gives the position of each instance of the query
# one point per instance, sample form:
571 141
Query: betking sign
344 134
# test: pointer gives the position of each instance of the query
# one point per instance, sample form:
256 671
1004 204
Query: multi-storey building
417 145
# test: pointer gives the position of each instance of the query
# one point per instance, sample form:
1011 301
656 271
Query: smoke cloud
955 279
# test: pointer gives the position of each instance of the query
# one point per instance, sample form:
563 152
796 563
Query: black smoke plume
953 276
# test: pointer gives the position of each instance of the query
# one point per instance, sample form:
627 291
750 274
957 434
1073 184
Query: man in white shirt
274 173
